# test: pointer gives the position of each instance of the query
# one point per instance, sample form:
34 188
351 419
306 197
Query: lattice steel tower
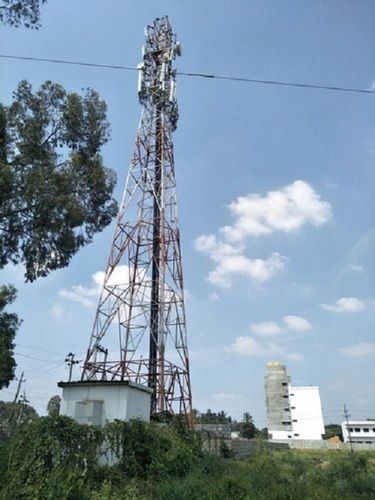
139 332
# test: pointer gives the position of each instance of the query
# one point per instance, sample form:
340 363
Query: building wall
118 402
361 431
277 400
292 412
315 444
218 429
306 413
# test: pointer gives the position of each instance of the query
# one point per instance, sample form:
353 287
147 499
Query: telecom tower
139 332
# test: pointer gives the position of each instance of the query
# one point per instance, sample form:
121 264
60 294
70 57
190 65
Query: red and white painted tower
139 332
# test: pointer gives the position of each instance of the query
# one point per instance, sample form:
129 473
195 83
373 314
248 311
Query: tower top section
275 365
156 77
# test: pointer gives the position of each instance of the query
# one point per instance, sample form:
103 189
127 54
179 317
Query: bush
55 458
48 458
145 450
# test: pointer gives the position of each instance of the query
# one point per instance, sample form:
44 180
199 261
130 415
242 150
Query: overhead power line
40 349
335 88
45 360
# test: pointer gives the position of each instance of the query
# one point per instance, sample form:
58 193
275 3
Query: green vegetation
56 192
21 12
51 458
9 324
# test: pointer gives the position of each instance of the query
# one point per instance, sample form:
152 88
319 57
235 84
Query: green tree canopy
53 406
55 192
17 12
248 429
9 324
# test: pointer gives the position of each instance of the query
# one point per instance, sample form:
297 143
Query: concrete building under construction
292 412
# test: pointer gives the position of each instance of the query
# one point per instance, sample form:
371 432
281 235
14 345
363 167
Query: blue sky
275 189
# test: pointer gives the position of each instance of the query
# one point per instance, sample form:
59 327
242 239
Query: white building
292 412
100 402
306 413
361 431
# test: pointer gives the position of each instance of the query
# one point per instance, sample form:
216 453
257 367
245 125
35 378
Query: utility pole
22 402
20 382
346 416
70 361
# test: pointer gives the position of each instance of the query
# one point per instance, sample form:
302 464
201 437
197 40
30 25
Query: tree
55 192
9 323
248 429
262 433
53 406
16 12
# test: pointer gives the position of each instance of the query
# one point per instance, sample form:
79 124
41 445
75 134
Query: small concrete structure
99 402
361 431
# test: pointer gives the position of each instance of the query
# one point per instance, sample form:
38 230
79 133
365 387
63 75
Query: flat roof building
99 402
359 431
292 412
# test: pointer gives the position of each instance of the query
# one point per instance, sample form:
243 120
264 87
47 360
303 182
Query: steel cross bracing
142 300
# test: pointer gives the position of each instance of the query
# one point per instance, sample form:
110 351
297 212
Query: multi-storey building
292 412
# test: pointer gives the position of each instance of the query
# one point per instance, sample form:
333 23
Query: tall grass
57 459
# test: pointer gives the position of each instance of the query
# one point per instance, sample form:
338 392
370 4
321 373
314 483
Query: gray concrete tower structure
277 400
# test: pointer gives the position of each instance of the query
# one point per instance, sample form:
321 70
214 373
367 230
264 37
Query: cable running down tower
139 332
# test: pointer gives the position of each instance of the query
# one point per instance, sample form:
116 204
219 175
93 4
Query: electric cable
336 88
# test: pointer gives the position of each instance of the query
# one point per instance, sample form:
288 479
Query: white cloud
248 346
230 262
258 270
294 356
87 295
345 305
267 328
357 268
214 297
57 311
225 396
80 294
359 350
297 323
287 209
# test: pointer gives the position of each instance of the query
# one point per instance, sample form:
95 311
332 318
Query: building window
291 394
350 429
284 383
294 420
366 429
286 422
286 409
357 429
285 396
289 436
293 407
296 434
